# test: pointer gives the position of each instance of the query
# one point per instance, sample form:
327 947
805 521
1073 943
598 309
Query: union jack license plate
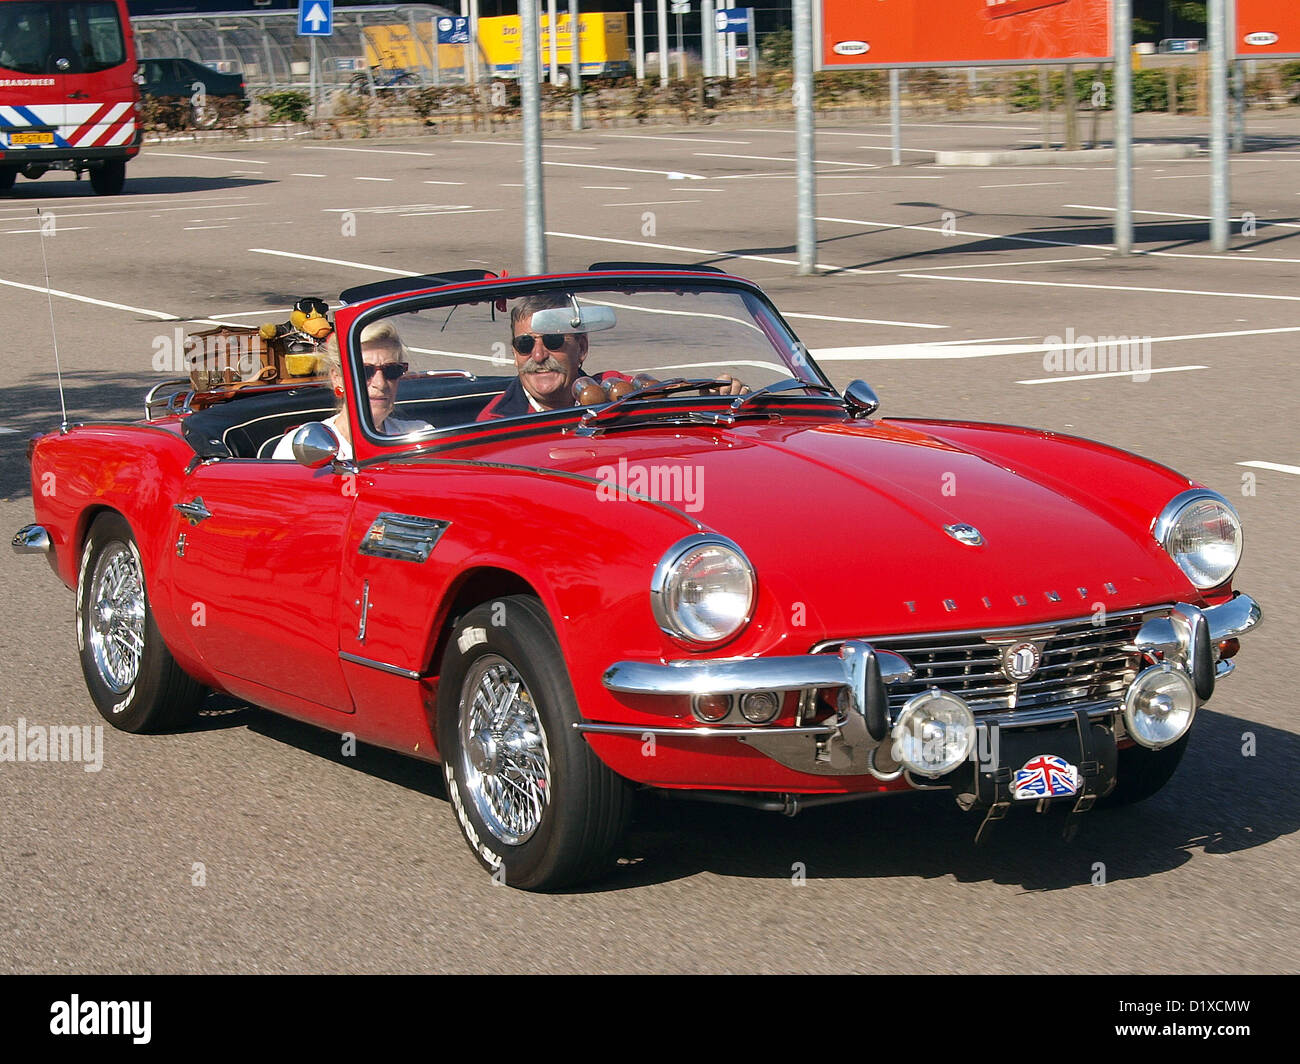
1045 776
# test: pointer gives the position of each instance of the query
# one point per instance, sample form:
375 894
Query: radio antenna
49 294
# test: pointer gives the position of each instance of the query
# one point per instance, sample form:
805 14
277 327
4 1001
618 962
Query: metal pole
534 200
312 78
476 70
706 37
729 42
895 119
752 41
1045 102
681 52
662 40
554 47
1219 192
1123 27
804 136
575 62
638 22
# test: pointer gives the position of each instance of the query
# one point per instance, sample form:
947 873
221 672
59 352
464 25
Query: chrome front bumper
31 539
1186 637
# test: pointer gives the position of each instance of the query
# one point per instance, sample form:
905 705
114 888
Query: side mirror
861 400
315 445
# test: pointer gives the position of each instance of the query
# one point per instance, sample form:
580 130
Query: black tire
135 690
8 176
561 831
108 178
1141 772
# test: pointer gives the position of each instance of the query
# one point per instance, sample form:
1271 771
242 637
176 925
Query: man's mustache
548 365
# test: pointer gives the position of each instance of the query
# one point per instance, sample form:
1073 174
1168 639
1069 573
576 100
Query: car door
256 570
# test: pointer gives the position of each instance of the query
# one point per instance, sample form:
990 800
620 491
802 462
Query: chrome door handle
195 511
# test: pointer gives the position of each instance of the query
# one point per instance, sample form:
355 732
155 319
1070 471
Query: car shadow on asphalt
1233 791
47 189
1220 801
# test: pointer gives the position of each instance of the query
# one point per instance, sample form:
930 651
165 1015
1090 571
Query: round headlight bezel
1168 523
664 586
1145 680
908 741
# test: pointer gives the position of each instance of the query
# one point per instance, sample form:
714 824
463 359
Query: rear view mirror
573 320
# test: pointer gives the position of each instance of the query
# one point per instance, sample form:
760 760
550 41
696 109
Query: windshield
555 348
34 36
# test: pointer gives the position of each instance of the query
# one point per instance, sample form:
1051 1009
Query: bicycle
384 79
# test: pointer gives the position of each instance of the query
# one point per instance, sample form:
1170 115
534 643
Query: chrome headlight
1159 707
703 590
934 734
1202 533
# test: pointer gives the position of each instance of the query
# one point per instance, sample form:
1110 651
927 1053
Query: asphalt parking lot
970 292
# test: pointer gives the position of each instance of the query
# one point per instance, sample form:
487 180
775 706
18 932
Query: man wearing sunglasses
384 363
548 364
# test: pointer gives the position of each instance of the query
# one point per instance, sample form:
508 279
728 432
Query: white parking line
1293 470
684 140
1193 217
1105 287
606 188
652 203
865 321
160 315
678 174
444 182
368 151
332 262
307 175
520 144
191 228
1098 376
372 179
783 159
1026 184
211 158
61 229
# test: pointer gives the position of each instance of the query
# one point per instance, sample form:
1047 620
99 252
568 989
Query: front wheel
136 684
108 178
537 807
8 176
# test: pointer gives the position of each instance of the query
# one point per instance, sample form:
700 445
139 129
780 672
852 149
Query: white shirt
392 426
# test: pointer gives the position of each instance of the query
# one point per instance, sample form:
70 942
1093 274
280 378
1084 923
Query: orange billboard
1268 29
858 34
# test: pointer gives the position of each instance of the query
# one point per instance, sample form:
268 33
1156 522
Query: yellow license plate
31 138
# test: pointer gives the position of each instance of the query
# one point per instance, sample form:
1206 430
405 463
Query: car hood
844 516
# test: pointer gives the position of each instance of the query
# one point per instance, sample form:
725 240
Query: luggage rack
175 401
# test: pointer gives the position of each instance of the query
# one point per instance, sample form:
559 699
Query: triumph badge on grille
1021 660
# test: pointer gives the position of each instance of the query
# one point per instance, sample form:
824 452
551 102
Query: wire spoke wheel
116 622
505 760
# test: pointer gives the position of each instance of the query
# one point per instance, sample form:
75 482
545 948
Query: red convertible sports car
578 535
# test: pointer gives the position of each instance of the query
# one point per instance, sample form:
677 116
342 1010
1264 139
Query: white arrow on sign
315 17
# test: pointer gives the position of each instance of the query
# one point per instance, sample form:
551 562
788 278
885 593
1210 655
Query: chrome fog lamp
760 707
1159 706
703 589
1202 533
934 734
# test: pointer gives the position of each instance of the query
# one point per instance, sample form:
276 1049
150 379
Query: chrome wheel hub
115 632
505 761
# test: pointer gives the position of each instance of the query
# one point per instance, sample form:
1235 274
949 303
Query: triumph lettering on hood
952 606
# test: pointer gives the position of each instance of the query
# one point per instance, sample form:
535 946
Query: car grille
1082 663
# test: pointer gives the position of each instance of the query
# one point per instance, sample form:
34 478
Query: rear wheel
131 675
108 178
1141 772
537 807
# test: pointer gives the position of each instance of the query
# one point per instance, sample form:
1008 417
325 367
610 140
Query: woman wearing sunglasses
383 357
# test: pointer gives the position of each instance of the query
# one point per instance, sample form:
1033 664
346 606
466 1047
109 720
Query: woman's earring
338 390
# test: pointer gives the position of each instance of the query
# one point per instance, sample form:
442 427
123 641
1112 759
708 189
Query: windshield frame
774 327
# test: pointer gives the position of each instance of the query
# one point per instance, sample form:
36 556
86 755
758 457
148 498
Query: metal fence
387 46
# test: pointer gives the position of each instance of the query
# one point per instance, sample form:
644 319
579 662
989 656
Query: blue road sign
315 18
734 20
453 30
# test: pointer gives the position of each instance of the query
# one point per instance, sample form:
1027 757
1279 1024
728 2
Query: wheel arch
473 588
